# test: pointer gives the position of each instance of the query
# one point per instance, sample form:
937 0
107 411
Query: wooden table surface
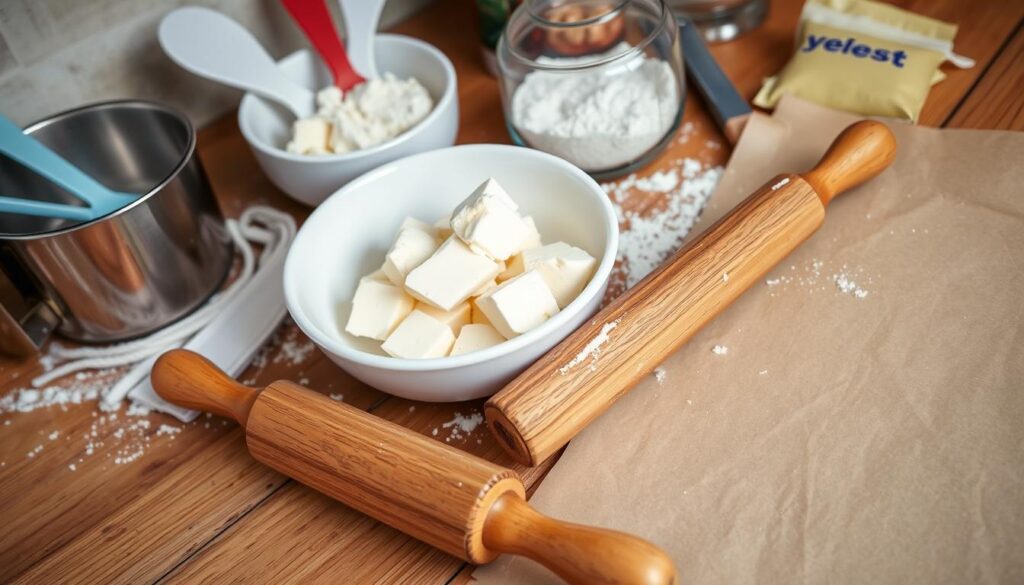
196 508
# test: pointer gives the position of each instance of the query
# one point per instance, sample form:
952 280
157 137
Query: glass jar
599 83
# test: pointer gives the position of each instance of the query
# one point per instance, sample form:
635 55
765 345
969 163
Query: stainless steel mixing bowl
130 272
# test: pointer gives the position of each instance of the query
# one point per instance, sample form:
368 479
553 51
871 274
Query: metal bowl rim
104 105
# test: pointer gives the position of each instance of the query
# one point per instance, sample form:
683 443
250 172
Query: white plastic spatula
361 19
213 46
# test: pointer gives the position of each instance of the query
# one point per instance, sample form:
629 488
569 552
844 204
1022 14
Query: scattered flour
77 389
167 430
846 285
337 397
122 436
591 350
812 277
720 350
660 374
461 426
653 227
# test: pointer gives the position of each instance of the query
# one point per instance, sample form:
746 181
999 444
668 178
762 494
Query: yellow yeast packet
864 57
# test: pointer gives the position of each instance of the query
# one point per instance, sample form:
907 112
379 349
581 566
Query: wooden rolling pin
459 503
552 401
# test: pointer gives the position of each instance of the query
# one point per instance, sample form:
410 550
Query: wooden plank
177 513
147 515
996 100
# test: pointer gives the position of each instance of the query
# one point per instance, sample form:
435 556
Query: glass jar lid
568 35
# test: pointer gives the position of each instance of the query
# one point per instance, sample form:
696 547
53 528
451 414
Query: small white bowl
267 126
348 235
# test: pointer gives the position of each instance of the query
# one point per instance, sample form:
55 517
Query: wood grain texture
996 100
578 554
188 379
461 504
245 552
291 534
858 154
141 542
419 486
547 405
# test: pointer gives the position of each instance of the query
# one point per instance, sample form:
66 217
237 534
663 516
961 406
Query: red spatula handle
315 20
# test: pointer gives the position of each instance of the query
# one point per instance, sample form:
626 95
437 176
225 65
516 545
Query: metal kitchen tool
541 410
459 503
132 271
213 46
315 20
28 151
728 108
361 18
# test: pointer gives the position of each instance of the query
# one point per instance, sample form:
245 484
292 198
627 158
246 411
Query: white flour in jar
597 119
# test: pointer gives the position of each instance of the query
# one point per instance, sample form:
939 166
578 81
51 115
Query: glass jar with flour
597 82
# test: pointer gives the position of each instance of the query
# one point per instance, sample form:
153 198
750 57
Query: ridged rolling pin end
188 379
581 555
860 152
508 436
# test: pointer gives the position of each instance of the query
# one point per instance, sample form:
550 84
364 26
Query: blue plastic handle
45 209
30 152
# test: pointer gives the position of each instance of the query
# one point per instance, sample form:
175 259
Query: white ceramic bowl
348 235
266 126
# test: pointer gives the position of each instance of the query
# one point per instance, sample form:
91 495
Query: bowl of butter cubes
443 275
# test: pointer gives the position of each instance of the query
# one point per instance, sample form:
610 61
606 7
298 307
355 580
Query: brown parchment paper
840 439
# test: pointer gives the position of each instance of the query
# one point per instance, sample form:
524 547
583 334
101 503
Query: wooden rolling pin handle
860 152
578 554
188 379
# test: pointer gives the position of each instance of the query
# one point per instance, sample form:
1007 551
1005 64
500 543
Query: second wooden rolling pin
546 406
461 504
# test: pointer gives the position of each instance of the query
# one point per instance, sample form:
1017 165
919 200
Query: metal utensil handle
727 106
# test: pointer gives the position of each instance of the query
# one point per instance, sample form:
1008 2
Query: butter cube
519 304
411 248
451 275
443 227
533 239
513 267
413 223
566 269
377 308
310 136
483 289
477 316
377 275
454 319
489 222
474 338
419 336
